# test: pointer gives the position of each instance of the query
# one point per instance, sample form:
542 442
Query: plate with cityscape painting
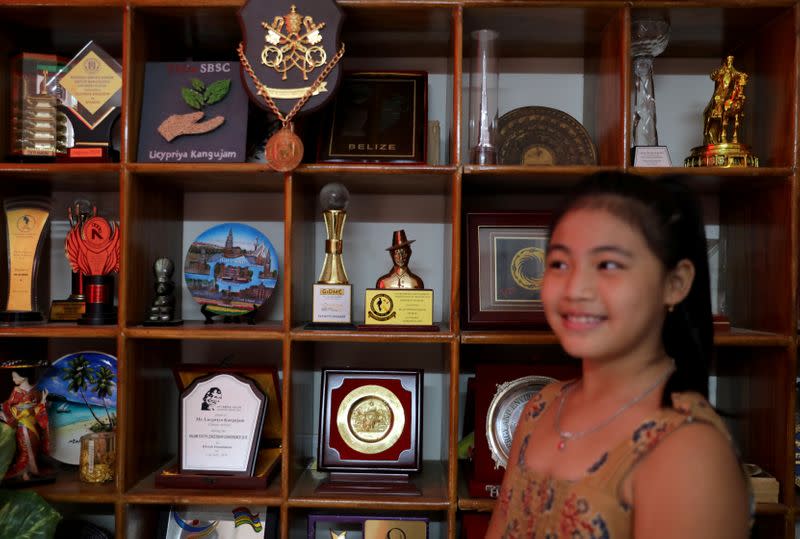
231 270
82 399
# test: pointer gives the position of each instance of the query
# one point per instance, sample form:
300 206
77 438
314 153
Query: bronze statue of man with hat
400 276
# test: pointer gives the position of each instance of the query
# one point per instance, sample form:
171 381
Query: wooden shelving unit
756 362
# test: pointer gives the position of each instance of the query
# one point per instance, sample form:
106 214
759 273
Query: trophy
162 310
38 130
72 308
332 293
26 228
93 250
89 88
649 38
399 299
722 116
483 87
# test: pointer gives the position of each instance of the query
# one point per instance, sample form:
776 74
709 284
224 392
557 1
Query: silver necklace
566 435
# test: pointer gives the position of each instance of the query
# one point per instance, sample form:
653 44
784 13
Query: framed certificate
221 418
378 117
505 267
370 421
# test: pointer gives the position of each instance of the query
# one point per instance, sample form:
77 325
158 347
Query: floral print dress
542 507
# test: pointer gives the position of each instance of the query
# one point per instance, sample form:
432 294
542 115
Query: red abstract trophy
93 250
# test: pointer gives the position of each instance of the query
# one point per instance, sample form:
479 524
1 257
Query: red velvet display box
403 455
484 479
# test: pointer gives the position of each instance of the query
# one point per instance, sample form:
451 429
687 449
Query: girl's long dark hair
670 218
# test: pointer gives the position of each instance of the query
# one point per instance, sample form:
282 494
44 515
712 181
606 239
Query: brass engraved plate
92 82
504 413
539 136
370 419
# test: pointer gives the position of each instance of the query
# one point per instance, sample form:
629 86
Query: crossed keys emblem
295 48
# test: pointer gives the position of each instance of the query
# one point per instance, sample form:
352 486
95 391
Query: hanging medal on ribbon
290 62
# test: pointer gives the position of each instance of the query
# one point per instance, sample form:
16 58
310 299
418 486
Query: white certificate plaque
221 420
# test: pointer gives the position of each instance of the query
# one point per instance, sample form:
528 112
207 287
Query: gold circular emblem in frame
370 419
522 261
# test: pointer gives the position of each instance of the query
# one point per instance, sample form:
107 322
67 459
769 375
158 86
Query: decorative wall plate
231 269
504 413
82 399
543 136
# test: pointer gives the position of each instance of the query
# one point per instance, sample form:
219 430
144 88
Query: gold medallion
284 150
370 419
526 265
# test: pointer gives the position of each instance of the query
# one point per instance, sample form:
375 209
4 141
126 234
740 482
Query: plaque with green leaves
194 112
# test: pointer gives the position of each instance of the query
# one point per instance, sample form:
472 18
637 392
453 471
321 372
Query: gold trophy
400 276
399 300
722 116
72 308
332 291
27 220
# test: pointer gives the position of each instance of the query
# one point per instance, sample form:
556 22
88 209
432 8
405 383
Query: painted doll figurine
26 411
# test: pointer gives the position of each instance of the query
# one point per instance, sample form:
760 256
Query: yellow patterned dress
541 507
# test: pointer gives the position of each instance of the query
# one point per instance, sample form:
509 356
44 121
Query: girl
632 448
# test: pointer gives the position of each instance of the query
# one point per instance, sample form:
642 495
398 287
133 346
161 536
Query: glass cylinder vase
483 88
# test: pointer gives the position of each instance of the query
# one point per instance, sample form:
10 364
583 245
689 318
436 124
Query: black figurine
162 311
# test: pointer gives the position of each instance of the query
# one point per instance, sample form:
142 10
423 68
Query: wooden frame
505 265
756 363
339 141
397 444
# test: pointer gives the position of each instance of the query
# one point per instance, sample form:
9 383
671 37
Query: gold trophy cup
332 292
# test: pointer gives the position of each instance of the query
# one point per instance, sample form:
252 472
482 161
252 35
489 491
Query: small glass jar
98 457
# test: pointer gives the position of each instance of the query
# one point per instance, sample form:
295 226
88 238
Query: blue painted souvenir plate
82 399
231 268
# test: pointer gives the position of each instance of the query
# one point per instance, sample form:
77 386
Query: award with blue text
221 418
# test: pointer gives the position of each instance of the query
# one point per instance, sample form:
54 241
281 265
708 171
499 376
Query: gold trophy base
726 154
66 310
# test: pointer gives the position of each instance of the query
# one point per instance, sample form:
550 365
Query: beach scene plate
82 399
231 269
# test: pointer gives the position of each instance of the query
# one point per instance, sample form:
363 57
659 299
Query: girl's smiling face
604 290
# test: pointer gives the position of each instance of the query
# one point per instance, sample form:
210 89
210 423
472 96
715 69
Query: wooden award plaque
288 43
269 450
370 421
483 480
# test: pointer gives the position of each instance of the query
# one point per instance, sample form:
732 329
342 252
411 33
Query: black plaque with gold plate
290 62
370 421
269 444
543 136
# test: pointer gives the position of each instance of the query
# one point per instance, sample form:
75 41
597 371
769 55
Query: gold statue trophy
722 116
332 294
400 276
399 299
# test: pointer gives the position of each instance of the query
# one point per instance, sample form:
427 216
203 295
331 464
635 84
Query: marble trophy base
650 156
